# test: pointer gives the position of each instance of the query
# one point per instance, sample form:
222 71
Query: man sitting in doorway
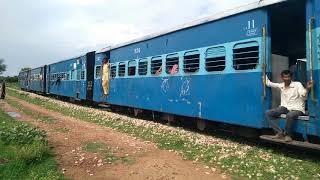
293 97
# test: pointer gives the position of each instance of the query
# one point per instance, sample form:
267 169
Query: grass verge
34 115
103 149
24 152
107 153
235 158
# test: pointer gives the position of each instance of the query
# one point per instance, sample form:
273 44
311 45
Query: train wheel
201 124
136 112
168 118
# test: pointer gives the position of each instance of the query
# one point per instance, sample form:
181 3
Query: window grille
191 62
172 64
143 67
122 70
216 59
156 65
246 56
132 68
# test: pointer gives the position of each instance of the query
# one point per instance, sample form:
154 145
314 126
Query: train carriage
210 69
24 79
37 82
221 61
72 78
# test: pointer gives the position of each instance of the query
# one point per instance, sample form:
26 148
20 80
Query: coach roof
221 15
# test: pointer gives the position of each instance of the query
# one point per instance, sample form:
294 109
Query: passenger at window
159 71
293 97
58 80
105 76
174 69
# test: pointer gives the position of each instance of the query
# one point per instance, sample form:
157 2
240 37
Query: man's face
286 78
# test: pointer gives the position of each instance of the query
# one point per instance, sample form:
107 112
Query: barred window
246 56
98 72
113 73
191 61
72 74
78 74
132 68
122 69
82 75
216 59
172 64
156 65
143 67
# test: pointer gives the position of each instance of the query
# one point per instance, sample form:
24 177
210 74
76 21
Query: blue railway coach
221 62
72 78
37 80
210 69
24 79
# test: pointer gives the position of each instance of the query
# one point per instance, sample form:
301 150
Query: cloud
44 31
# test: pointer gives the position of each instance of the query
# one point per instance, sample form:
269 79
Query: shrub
23 134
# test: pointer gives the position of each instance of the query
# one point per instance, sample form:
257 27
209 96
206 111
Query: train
220 61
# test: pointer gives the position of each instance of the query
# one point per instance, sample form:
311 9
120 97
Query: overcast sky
38 32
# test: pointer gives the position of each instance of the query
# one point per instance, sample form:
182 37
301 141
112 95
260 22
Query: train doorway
288 42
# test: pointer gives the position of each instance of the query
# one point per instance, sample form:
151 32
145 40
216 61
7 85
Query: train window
191 61
82 75
98 72
68 76
122 69
113 71
143 67
72 75
172 64
156 65
246 56
78 74
132 68
216 59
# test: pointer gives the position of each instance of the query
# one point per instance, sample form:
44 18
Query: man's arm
271 84
304 92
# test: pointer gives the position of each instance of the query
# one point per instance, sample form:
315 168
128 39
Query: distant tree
3 67
25 69
12 79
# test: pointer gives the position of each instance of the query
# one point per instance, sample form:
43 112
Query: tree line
10 79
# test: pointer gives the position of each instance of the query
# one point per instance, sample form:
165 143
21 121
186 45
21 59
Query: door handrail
311 57
264 65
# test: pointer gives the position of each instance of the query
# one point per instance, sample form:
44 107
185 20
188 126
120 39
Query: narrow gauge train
220 61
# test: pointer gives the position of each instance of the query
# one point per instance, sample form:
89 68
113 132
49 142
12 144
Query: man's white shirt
292 97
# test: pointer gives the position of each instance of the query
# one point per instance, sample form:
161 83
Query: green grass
128 160
102 149
235 158
24 152
34 115
13 85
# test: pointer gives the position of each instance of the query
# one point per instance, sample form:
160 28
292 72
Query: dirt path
120 156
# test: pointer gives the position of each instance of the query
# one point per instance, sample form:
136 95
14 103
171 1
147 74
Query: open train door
295 43
90 75
313 49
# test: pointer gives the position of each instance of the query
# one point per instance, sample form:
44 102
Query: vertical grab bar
264 65
311 56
